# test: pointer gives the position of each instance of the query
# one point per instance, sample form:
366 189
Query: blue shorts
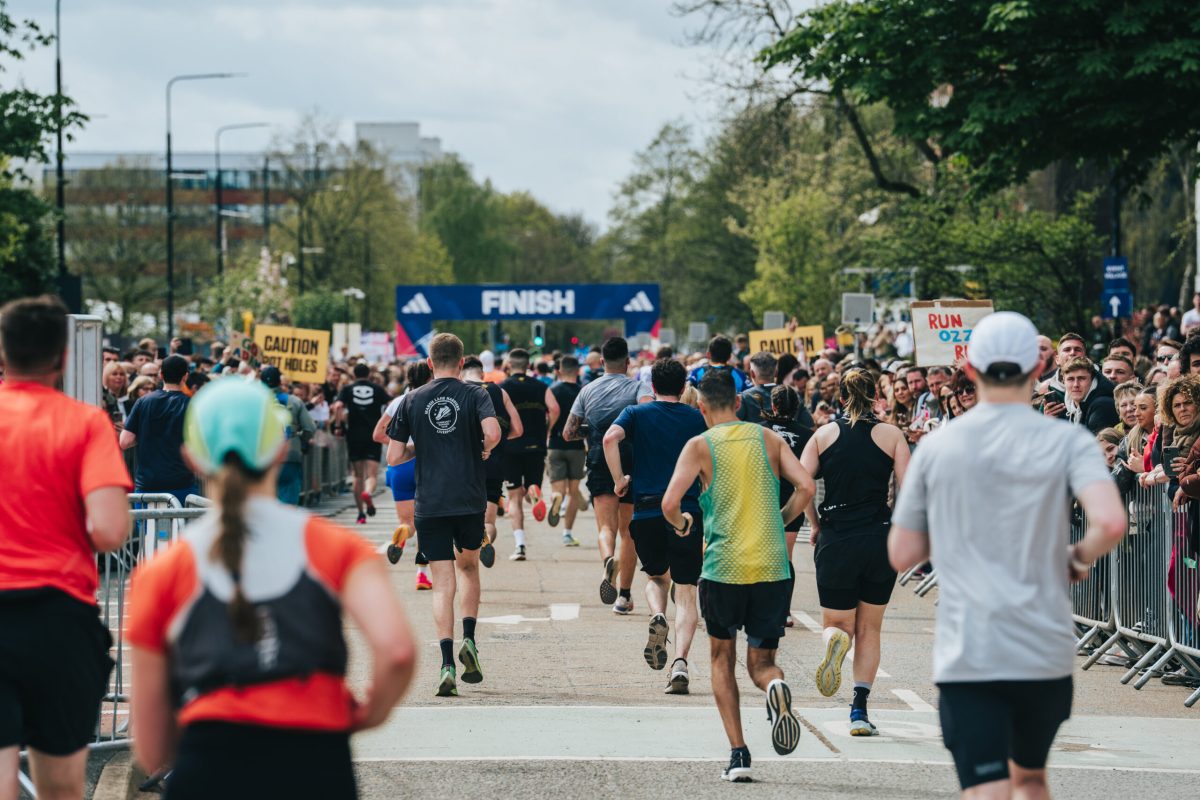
402 480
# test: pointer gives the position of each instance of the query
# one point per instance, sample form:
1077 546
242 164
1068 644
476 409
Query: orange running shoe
539 506
423 582
396 548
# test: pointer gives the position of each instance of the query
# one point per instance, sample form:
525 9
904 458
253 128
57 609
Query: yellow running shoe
396 548
829 673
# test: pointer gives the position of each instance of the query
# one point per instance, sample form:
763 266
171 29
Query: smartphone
1055 396
1169 455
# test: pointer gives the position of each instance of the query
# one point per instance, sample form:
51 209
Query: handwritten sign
300 353
942 329
808 339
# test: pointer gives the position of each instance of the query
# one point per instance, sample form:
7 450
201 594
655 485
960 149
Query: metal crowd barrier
326 469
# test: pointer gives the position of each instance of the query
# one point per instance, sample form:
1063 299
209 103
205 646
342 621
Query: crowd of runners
702 470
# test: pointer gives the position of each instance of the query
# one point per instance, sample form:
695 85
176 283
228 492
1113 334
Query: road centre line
913 700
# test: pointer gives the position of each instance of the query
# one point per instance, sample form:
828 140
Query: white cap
488 359
1004 337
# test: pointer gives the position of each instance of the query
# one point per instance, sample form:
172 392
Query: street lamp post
59 188
171 194
220 189
347 293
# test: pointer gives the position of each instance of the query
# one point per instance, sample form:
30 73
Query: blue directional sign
1117 300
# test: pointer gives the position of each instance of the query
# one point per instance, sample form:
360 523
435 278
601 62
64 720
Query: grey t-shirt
993 489
602 401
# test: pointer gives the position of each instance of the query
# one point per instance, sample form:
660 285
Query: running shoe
423 582
623 606
785 728
469 657
656 644
518 554
555 509
570 541
396 548
789 622
738 770
860 725
608 590
829 673
539 505
362 518
366 498
447 687
679 677
487 555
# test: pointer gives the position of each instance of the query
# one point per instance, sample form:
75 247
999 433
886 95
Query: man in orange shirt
64 500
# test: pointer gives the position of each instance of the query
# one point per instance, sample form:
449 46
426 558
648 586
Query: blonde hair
858 394
139 383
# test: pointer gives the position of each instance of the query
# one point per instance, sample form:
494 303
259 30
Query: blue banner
417 307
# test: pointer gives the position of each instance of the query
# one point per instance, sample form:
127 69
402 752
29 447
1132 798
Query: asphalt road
568 707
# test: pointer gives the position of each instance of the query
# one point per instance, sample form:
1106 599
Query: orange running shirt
165 587
54 452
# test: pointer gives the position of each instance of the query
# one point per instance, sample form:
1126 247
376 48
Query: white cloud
550 96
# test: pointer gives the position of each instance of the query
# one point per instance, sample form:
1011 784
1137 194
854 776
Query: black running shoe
608 591
656 644
487 556
738 770
785 728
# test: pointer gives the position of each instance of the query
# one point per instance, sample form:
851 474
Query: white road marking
511 619
913 700
807 621
561 611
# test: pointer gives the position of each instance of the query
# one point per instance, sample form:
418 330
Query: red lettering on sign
945 321
960 352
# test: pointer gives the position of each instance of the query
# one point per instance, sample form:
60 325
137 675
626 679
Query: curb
119 779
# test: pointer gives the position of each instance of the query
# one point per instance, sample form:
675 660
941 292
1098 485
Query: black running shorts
853 567
599 479
660 549
359 450
495 490
54 668
760 609
524 468
985 724
439 537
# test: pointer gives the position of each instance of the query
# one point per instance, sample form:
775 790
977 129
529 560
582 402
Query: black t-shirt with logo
444 418
565 394
364 402
528 396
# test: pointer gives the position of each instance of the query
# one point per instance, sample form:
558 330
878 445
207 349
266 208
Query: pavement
568 707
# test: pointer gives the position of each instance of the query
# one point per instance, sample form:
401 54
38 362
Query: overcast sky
549 96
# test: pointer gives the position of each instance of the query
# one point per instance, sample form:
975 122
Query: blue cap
233 415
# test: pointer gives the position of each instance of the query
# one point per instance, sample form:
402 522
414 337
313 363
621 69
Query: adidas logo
639 303
418 305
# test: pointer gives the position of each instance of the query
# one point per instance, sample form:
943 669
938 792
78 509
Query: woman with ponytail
781 418
236 629
857 455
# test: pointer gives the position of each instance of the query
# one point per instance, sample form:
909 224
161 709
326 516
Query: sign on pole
1117 300
808 339
773 320
858 309
666 337
942 329
300 353
698 332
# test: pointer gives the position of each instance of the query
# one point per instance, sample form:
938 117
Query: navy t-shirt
157 421
656 433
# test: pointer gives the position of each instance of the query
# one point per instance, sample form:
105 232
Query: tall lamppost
58 189
171 194
220 190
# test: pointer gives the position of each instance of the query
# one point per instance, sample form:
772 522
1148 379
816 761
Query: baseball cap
1004 345
240 417
271 377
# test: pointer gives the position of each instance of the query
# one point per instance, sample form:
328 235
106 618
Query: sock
625 593
447 646
469 628
567 532
861 691
519 537
423 569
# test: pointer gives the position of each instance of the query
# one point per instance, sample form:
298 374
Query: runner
745 580
525 456
599 404
510 428
453 428
362 403
565 459
657 433
997 524
65 499
402 480
781 416
254 577
857 455
720 350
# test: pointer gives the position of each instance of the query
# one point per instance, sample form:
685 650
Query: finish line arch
417 306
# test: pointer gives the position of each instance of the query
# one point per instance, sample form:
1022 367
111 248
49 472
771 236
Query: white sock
519 536
423 569
567 532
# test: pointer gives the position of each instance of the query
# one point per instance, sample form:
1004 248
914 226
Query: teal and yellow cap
231 415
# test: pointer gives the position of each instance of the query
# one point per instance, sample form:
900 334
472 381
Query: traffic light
575 340
538 332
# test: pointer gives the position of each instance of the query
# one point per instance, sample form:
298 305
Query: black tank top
857 476
528 395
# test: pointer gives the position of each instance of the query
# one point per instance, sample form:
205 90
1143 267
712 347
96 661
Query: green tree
466 217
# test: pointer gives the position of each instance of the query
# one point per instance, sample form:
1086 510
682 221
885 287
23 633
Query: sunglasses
1166 358
965 390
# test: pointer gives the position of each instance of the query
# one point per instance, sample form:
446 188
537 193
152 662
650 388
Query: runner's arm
552 411
900 457
571 429
810 460
380 432
128 439
370 601
151 710
516 428
491 434
400 452
107 511
687 469
792 471
1106 519
612 457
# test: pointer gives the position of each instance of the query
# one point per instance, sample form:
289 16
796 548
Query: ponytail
233 483
858 395
785 403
